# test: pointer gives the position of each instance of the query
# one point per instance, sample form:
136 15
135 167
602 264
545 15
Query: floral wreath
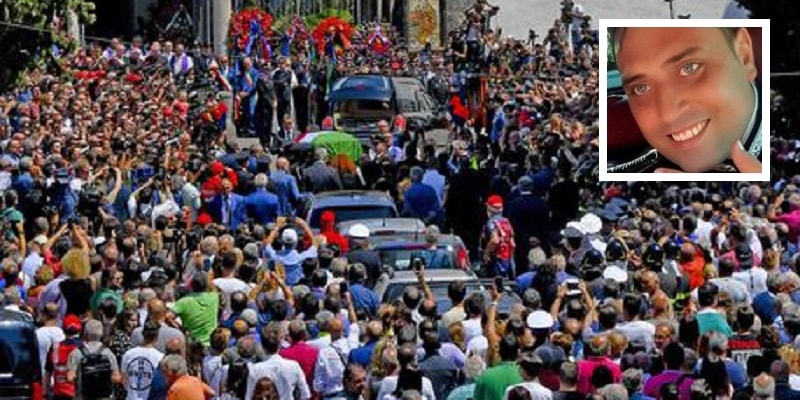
332 36
377 41
248 27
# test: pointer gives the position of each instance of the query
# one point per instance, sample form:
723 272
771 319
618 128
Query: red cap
72 323
327 216
495 202
204 219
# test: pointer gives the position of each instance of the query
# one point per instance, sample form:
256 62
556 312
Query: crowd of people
161 261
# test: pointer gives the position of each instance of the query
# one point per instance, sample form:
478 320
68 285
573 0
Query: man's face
662 337
688 90
357 382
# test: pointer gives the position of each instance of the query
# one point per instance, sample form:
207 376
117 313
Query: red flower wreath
344 33
239 28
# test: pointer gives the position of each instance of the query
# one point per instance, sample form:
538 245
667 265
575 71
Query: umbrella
336 143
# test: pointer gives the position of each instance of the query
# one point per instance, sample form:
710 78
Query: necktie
226 210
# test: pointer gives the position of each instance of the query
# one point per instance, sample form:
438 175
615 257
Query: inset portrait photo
686 100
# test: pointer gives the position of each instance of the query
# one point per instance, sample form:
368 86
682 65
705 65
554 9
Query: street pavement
516 17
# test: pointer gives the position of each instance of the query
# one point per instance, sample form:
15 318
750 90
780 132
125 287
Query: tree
29 30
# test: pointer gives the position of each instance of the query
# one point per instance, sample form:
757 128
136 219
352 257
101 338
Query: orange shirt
189 388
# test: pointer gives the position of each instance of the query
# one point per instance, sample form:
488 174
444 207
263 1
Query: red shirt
306 356
586 369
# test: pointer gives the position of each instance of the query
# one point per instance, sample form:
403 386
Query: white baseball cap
289 235
358 231
540 319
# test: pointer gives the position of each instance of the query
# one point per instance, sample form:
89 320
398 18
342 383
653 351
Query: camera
532 35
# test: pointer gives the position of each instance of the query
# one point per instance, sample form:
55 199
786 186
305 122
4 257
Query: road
516 17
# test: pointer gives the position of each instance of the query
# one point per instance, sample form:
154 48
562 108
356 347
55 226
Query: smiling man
694 96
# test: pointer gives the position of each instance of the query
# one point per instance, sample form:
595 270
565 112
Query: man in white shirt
139 364
752 276
181 63
529 366
286 375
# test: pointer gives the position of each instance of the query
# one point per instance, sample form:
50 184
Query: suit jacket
319 178
262 206
238 209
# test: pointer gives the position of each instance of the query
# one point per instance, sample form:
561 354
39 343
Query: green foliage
26 48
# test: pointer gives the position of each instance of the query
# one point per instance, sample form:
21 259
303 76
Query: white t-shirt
537 391
139 365
48 336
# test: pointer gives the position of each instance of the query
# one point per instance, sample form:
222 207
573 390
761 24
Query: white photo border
764 24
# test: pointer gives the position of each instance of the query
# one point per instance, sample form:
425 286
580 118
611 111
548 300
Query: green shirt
492 383
198 313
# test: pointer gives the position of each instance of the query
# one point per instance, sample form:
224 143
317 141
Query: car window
355 105
400 259
350 213
18 352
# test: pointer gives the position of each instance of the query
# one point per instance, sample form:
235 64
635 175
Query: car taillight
37 394
462 258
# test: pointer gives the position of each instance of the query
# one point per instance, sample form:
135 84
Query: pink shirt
305 355
586 369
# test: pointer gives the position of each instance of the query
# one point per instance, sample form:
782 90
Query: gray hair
93 330
261 181
321 154
175 364
324 319
474 367
614 391
764 386
339 267
209 245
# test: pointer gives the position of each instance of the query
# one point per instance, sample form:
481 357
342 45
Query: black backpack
236 384
95 374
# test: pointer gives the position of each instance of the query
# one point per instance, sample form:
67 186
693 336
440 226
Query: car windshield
350 213
354 106
18 352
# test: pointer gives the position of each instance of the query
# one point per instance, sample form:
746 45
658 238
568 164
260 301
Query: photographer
289 256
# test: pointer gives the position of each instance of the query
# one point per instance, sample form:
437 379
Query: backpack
236 384
95 374
59 357
505 249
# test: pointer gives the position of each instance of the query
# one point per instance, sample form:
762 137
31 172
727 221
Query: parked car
397 252
359 102
381 229
348 205
20 368
390 287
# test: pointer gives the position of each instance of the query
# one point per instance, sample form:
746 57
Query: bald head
282 163
176 346
598 346
157 310
375 329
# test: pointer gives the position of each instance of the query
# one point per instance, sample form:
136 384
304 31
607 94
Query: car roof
445 239
434 276
344 198
378 82
398 225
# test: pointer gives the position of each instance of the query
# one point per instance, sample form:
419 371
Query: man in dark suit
262 205
319 177
529 216
227 207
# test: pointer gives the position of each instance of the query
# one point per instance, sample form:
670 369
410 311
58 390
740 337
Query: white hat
358 231
591 223
540 319
289 235
577 225
615 273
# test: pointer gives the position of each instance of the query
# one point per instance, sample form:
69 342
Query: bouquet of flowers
247 27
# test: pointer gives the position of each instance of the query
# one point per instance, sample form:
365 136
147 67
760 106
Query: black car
20 369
